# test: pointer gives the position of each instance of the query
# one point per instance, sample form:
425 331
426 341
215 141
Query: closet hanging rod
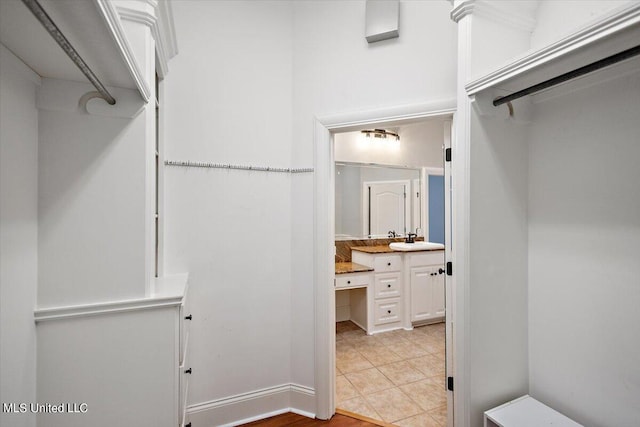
62 41
610 60
190 164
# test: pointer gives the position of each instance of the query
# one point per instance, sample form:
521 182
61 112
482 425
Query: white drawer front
418 259
352 280
385 263
388 285
388 311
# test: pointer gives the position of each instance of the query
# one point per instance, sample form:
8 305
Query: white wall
584 247
497 336
91 202
18 235
335 70
244 89
228 100
420 146
559 18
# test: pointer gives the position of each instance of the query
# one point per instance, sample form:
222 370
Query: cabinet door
427 293
421 289
438 292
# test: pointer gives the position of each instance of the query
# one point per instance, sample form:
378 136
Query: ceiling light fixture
382 134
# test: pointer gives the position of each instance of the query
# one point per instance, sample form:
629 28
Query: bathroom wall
18 235
584 235
335 70
228 100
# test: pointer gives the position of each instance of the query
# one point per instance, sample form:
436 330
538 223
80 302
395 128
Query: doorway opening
387 348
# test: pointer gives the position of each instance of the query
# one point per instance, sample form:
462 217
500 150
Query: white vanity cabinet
386 296
424 271
353 290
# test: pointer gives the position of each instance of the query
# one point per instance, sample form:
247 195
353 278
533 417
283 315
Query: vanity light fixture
382 134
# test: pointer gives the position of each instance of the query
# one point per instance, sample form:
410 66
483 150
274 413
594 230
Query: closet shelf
613 33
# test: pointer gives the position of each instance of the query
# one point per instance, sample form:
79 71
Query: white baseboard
252 406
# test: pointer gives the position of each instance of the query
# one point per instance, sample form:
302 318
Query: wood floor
295 420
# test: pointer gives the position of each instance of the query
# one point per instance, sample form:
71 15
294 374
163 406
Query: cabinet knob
187 371
348 282
389 311
441 271
389 264
388 285
189 317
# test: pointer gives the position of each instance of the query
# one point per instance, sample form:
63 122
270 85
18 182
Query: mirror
376 201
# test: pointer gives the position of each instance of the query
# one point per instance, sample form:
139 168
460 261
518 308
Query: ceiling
82 25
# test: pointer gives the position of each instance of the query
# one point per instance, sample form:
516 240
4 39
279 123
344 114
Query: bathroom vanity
391 289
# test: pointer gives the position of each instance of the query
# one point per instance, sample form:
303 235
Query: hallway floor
397 376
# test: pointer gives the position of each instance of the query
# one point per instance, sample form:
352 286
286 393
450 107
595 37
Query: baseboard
252 406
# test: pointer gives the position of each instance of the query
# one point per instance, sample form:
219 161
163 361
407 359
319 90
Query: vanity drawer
352 280
387 311
388 285
387 263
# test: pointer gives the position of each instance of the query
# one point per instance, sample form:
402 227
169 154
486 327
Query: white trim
324 229
111 19
264 403
503 12
65 312
169 291
424 175
159 19
354 120
615 22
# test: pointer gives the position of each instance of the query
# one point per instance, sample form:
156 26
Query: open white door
449 291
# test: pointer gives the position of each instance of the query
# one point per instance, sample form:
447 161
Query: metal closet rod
610 60
57 35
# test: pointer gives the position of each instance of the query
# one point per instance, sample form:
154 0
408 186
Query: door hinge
449 268
450 383
447 154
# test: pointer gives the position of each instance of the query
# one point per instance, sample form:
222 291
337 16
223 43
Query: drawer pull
348 282
187 371
441 271
388 285
389 311
389 264
189 317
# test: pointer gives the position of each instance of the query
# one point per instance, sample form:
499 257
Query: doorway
325 393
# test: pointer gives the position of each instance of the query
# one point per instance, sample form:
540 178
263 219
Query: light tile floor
397 376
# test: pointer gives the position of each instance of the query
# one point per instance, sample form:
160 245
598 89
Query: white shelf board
528 412
612 33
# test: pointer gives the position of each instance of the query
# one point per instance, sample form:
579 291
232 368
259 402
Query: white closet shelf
526 412
167 291
612 33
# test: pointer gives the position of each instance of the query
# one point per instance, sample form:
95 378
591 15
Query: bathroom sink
417 246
